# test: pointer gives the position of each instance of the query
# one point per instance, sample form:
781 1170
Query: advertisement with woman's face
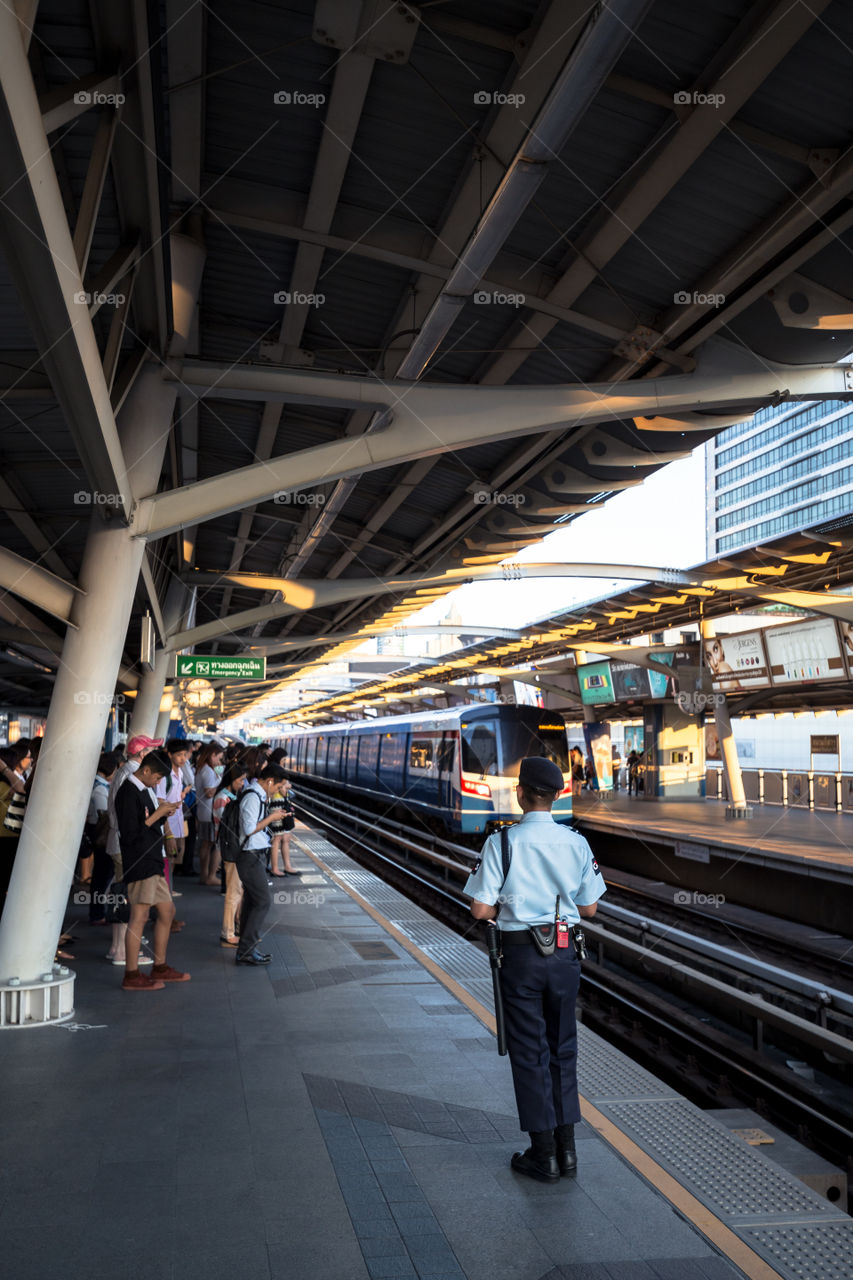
736 661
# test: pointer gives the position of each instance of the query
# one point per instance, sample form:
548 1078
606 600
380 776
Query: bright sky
660 522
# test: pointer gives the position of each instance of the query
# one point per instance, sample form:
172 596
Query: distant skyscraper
788 468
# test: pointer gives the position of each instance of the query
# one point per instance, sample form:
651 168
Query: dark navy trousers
539 996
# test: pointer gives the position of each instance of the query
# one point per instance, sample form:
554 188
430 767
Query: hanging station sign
217 666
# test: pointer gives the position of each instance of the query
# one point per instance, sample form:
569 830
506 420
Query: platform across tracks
691 844
343 1113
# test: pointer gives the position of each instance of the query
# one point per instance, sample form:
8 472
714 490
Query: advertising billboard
599 749
804 651
629 681
595 683
737 661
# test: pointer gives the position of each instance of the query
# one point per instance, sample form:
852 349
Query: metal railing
793 788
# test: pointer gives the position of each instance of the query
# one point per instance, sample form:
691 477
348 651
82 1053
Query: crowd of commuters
152 805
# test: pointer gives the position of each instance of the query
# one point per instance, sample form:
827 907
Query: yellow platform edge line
710 1226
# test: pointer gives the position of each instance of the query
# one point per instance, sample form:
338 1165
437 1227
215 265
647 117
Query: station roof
794 575
513 193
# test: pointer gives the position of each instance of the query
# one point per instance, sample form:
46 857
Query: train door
447 793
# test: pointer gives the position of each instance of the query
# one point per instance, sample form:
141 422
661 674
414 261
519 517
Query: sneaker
176 894
142 960
165 973
141 982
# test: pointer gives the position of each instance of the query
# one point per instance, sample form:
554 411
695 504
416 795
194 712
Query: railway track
728 1029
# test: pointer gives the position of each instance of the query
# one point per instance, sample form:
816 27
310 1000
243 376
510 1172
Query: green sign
219 667
595 682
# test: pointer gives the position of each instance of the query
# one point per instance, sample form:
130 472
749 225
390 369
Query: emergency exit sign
219 667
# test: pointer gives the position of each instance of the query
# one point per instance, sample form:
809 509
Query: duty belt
517 937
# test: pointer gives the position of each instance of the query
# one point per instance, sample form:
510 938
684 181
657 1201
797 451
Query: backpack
230 841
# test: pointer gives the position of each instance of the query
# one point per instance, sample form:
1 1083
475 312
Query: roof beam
36 585
441 629
432 419
372 246
40 253
64 104
758 53
353 73
501 174
302 596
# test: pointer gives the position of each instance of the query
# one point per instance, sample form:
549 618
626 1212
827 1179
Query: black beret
541 774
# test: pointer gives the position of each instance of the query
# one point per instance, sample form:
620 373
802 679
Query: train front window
546 738
480 747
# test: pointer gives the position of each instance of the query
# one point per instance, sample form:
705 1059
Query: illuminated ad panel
737 661
595 683
804 651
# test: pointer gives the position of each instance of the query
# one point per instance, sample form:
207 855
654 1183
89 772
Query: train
457 769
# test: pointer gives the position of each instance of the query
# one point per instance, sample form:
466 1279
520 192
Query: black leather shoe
567 1161
542 1168
253 957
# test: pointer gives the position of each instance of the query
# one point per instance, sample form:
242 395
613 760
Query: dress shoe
254 957
542 1168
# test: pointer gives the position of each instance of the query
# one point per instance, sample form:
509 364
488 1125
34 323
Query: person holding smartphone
140 822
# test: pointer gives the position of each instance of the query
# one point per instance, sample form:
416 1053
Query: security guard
539 991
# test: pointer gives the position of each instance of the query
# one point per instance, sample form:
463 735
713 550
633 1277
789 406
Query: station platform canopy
781 583
464 271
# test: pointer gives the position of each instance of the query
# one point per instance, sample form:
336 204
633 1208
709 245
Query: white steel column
167 704
146 706
737 806
82 697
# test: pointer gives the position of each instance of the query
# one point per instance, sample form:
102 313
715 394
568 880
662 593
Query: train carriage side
457 768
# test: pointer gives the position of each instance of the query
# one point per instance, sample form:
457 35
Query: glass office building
788 468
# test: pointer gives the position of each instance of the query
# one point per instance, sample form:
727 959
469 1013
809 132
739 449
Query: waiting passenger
140 821
282 804
174 789
96 832
17 760
233 781
206 782
251 862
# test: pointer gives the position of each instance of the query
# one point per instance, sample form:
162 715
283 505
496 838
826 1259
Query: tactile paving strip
815 1251
609 1076
718 1167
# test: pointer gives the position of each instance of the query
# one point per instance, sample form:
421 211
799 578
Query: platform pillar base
38 1004
739 813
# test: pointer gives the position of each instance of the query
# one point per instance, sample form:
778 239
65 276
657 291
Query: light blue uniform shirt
547 859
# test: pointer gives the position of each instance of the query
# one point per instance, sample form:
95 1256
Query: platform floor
773 831
337 1115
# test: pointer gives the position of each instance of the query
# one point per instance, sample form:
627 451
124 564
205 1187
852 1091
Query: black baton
492 939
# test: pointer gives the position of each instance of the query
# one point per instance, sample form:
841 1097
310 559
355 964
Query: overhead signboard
595 683
219 667
804 651
737 661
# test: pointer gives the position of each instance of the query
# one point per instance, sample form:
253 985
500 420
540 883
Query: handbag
14 819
